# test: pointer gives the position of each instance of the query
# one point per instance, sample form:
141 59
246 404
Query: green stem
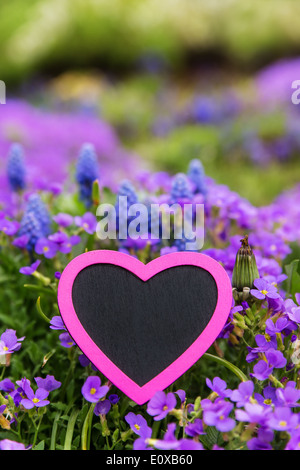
70 430
86 429
229 366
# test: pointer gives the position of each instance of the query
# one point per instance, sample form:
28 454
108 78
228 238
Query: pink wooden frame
142 394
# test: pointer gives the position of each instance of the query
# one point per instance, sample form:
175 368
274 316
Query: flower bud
245 269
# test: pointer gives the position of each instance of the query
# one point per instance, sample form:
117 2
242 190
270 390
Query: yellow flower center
5 348
283 424
268 338
264 292
137 427
35 400
222 417
165 408
93 391
85 225
45 249
268 401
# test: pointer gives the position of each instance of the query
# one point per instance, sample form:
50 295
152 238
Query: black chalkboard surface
143 326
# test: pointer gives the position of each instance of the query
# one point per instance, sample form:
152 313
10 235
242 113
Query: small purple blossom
217 414
161 404
264 290
88 222
66 341
219 387
138 425
243 394
56 323
102 407
28 270
49 383
46 247
34 399
9 343
7 444
92 390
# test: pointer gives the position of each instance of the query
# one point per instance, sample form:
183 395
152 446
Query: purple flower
49 383
261 370
64 220
264 290
194 429
113 398
66 341
243 394
217 414
273 328
262 441
294 442
37 399
28 270
181 394
63 242
219 386
92 389
46 247
288 396
7 444
9 227
268 398
6 385
56 323
253 413
161 404
283 419
88 222
102 407
9 343
21 242
139 425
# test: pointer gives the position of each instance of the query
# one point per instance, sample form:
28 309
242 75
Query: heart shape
143 325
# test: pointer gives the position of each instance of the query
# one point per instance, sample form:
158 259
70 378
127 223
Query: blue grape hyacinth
196 175
180 188
87 172
126 189
16 171
40 211
30 227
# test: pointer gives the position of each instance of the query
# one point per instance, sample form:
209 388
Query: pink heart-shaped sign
141 325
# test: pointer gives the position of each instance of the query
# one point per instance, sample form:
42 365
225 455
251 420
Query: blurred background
154 84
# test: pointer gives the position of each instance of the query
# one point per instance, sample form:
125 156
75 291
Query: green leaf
229 366
39 446
293 280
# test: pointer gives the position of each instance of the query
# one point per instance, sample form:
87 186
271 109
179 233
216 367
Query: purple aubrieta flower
288 396
243 394
9 343
283 419
194 429
264 342
217 414
49 383
7 444
9 227
56 323
34 399
219 387
262 441
92 390
253 413
88 222
277 327
28 270
66 341
294 442
46 247
6 385
64 220
161 404
274 360
138 425
264 290
102 407
21 242
114 398
64 243
268 397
